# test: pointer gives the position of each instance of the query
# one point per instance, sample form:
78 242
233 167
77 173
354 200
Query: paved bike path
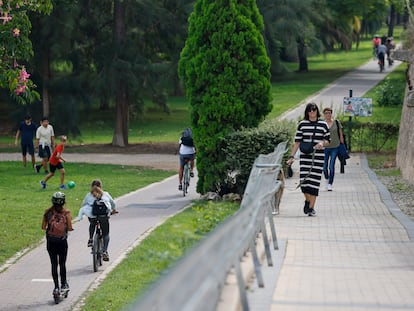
359 80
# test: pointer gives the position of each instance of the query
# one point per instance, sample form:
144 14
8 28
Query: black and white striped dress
311 170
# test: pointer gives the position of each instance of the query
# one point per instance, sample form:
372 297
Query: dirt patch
141 148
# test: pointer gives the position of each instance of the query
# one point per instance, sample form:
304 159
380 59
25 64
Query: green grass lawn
23 201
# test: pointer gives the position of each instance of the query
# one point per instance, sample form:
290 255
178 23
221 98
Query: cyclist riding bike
97 193
390 46
381 50
187 153
375 44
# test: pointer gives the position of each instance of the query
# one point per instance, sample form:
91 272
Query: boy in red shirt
55 162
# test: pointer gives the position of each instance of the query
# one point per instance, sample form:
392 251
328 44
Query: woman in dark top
315 131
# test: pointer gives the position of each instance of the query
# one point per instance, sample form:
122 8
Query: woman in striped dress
311 130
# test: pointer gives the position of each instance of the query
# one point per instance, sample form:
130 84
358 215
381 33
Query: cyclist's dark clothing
104 221
381 57
57 248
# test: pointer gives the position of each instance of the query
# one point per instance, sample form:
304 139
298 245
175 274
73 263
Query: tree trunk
45 81
391 21
303 61
120 137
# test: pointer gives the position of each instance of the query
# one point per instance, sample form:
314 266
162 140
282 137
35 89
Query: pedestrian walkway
356 254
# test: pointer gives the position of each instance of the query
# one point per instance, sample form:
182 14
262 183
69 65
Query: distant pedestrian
56 163
45 136
331 150
57 221
27 132
315 132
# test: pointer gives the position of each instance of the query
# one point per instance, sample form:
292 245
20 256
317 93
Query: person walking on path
27 131
45 136
331 150
57 221
55 163
312 131
97 194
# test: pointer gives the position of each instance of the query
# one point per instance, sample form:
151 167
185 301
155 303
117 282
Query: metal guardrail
197 280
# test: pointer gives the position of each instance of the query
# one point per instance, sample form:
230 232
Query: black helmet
58 198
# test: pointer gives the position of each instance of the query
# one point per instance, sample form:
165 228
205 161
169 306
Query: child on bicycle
57 221
97 193
187 151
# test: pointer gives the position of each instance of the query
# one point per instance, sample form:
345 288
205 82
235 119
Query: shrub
390 92
370 136
242 148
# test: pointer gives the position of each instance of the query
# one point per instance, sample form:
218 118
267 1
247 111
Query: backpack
187 141
99 208
57 226
187 138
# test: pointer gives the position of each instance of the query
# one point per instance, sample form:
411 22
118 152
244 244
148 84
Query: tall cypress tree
226 73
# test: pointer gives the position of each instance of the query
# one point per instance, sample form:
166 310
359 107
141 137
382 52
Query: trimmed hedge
243 147
371 137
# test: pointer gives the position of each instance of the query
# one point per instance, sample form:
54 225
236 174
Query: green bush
242 148
369 136
390 92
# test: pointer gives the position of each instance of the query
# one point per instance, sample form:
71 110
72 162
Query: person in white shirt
45 139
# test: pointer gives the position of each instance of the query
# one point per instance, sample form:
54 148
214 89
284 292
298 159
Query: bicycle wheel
100 250
95 252
186 177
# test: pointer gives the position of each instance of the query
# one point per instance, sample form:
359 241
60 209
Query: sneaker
306 207
191 174
329 187
90 243
62 187
37 168
56 292
105 256
43 184
180 187
65 286
311 212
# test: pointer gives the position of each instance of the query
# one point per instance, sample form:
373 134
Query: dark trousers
58 252
104 221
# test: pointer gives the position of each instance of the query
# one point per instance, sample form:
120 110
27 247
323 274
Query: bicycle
381 59
98 243
186 176
97 246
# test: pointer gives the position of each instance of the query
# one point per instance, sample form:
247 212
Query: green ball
71 184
